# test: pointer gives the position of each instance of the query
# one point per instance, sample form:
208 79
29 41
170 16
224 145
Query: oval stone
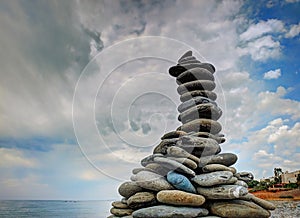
158 168
165 211
238 209
174 165
196 85
129 188
121 212
261 202
185 161
202 125
204 93
180 198
151 181
119 204
244 176
150 159
173 134
217 167
189 58
164 144
180 182
193 102
219 139
213 178
194 74
206 110
226 159
222 192
180 152
141 199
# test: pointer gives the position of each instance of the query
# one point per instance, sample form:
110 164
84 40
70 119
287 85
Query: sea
99 209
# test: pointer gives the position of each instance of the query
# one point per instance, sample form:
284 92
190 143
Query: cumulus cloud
272 74
261 28
294 31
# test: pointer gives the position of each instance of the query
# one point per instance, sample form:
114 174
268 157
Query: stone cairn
187 176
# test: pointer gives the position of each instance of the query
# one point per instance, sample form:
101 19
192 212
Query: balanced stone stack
187 175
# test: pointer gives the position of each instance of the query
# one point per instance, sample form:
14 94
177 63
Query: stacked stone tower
187 175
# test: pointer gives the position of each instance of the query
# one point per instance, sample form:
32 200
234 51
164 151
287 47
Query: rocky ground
286 209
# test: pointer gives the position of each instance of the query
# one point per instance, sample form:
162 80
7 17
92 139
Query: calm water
100 209
78 209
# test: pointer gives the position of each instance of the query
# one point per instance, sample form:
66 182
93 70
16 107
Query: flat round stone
121 212
189 58
241 183
207 110
185 161
174 165
165 211
180 182
193 102
119 204
217 167
204 93
261 202
202 125
164 145
136 170
245 176
222 192
157 168
173 134
128 189
180 152
226 159
149 159
187 54
208 135
238 209
180 198
189 62
194 74
199 146
196 85
151 181
213 178
141 199
180 68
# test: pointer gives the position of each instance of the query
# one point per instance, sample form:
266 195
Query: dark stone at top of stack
188 62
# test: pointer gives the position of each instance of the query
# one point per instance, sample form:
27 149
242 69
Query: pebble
207 85
185 161
151 181
238 209
157 168
174 165
217 167
128 189
164 144
261 202
207 110
180 182
119 204
165 211
194 74
202 125
180 152
193 102
245 176
141 199
222 192
199 146
208 135
150 159
180 198
136 170
173 134
121 212
204 93
214 178
241 183
226 159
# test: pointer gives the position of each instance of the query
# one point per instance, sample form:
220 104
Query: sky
85 92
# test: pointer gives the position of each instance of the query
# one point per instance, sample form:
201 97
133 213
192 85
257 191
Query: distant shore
290 195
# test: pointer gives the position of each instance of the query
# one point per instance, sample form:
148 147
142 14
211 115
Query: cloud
261 49
11 158
294 31
272 74
261 28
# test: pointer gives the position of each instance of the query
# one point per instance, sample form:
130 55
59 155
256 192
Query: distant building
287 177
